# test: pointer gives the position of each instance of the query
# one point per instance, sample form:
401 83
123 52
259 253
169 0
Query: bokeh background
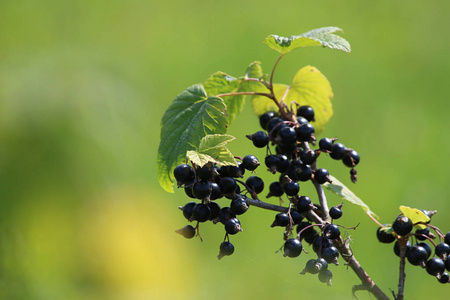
83 87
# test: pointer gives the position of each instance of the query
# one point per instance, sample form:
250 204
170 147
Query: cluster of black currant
420 254
295 161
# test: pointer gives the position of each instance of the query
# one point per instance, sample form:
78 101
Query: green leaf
254 71
212 149
309 87
415 215
222 83
317 37
190 117
341 190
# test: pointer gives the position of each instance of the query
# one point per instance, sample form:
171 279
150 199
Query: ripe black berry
214 209
397 248
255 183
227 184
402 225
226 248
338 151
225 214
259 139
272 163
422 233
184 174
321 176
187 231
308 157
233 226
330 254
444 278
335 212
275 189
303 204
250 162
306 112
442 250
265 118
321 242
426 247
435 266
239 205
303 172
286 136
301 120
351 159
206 172
200 212
325 144
272 124
188 191
447 238
292 248
202 189
283 163
187 209
331 231
281 219
296 217
384 236
305 132
232 171
417 255
216 191
291 188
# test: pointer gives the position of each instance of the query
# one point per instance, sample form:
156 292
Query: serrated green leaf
190 117
317 37
309 87
255 71
212 149
341 190
415 215
222 83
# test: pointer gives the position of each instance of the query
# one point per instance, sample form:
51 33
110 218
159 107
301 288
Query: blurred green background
83 87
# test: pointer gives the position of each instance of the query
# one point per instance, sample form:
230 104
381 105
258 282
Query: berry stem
401 280
246 93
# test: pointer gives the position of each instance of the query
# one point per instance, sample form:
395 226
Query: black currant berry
200 212
305 132
283 163
281 219
188 191
426 247
265 118
304 204
286 136
232 171
259 139
291 188
303 172
275 189
325 276
442 250
239 205
325 144
187 209
206 172
227 184
187 231
226 248
301 120
402 225
321 176
184 174
233 226
308 157
351 159
202 189
397 248
444 278
330 254
338 151
274 122
435 266
332 231
321 242
292 248
335 212
214 210
216 191
271 163
306 112
250 162
447 238
296 217
225 214
255 183
421 234
417 255
384 236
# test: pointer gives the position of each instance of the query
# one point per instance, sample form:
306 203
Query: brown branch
401 280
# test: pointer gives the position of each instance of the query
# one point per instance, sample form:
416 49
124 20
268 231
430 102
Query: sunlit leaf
309 87
317 37
415 215
212 149
190 117
341 190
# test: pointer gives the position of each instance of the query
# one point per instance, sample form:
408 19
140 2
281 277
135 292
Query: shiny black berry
325 144
426 247
259 139
291 188
351 159
292 248
296 217
447 238
331 231
184 174
308 157
283 163
286 136
239 205
216 191
321 242
338 151
281 219
442 250
226 248
225 214
335 212
435 266
227 184
303 172
271 162
402 225
444 278
306 112
206 172
275 189
321 176
421 234
214 209
305 132
397 248
255 183
265 118
330 254
233 226
187 209
250 162
304 204
202 189
417 255
384 235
